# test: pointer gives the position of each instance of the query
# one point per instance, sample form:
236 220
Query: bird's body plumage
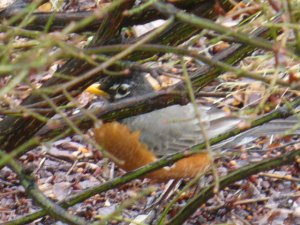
141 139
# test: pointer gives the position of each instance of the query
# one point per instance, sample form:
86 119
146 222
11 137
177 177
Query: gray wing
176 128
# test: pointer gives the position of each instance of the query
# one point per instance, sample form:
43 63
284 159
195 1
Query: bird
139 140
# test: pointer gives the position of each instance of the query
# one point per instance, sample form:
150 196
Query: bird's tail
288 126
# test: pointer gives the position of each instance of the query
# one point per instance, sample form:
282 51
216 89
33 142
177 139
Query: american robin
139 140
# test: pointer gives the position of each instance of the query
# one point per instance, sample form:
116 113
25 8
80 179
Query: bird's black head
126 86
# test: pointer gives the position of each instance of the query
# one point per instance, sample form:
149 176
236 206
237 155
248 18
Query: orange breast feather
131 154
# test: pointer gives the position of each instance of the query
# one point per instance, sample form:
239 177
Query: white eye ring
122 91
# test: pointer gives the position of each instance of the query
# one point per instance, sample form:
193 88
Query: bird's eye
122 91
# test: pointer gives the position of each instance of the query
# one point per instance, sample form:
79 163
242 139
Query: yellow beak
96 90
